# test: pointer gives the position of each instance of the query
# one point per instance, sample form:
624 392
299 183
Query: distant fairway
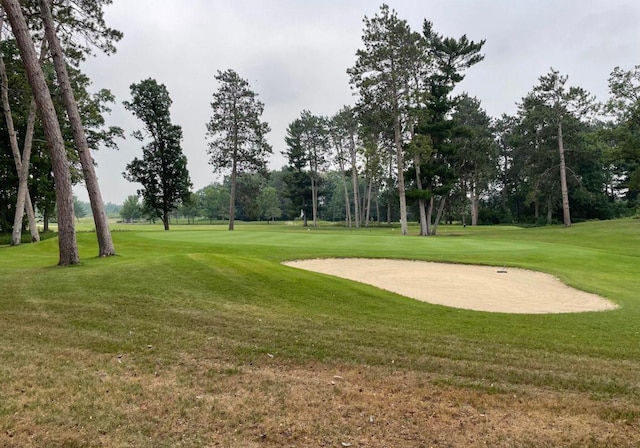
199 335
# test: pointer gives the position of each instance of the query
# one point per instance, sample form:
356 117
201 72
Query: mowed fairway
200 337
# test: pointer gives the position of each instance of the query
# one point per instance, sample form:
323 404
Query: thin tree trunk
105 243
400 161
389 189
549 209
64 195
347 206
232 201
474 204
566 214
378 203
421 202
22 163
439 215
314 201
368 217
354 181
430 214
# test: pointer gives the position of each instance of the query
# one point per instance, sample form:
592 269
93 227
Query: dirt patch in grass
480 288
215 403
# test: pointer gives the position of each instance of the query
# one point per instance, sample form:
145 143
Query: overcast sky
295 54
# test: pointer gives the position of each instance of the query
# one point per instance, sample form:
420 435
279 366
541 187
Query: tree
561 102
105 242
162 171
383 74
23 201
78 208
447 60
64 196
236 131
343 128
269 204
475 153
131 209
624 107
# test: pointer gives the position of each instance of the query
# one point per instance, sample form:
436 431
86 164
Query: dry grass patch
199 402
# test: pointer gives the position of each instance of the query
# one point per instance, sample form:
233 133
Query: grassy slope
204 293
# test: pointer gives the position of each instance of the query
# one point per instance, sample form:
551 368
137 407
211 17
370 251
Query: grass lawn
200 337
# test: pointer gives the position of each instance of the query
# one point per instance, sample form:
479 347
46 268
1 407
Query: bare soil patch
480 288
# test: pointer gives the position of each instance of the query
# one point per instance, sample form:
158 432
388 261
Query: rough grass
199 337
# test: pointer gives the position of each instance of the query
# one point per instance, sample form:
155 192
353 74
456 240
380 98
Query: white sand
480 288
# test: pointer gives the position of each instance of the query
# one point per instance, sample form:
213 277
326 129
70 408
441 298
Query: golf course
203 337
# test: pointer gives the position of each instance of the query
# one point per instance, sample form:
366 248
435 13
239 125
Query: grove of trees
412 147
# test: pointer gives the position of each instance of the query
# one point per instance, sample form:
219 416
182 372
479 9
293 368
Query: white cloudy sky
295 54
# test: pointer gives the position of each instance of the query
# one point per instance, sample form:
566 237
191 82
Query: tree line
412 149
409 149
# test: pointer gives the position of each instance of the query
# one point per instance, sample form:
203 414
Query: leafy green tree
624 133
383 76
475 154
561 103
105 242
237 134
269 204
190 208
297 178
308 144
343 128
131 209
447 60
78 208
68 249
162 171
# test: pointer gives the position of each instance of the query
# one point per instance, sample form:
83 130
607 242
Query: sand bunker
480 288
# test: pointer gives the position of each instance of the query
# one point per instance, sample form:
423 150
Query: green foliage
162 171
131 209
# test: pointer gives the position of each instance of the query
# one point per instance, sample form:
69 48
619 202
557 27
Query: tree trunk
105 243
314 201
439 215
60 164
354 180
378 203
430 214
566 214
347 205
232 201
549 209
165 219
22 163
368 216
400 161
474 204
45 221
421 202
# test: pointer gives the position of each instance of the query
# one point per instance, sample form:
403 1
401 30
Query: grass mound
200 337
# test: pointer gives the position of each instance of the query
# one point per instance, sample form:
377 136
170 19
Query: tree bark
314 200
22 163
347 206
64 195
232 201
566 214
354 180
439 215
474 204
400 161
105 243
424 231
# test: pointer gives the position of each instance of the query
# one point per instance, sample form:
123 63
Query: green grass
201 292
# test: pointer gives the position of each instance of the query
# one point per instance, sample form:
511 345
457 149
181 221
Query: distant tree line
410 149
